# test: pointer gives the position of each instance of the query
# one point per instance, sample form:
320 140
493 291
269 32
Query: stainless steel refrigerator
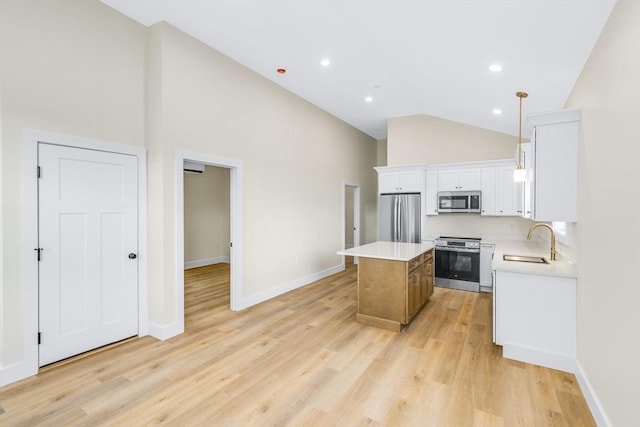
399 217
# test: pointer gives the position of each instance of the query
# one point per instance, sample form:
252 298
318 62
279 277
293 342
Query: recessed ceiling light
495 67
497 111
281 70
368 100
325 62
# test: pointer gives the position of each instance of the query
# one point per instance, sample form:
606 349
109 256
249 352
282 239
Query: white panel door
88 281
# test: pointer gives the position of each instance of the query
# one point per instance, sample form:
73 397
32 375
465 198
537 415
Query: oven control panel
458 243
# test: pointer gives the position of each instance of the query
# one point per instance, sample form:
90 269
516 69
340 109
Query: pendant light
519 174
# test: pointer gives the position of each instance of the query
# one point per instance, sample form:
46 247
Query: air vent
193 167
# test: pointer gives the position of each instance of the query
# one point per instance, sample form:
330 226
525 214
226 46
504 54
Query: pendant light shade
519 175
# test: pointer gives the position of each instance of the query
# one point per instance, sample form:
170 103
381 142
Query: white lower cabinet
486 274
535 318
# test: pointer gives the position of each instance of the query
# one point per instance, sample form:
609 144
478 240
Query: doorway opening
350 219
234 239
206 240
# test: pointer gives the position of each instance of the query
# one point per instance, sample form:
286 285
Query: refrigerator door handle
399 239
396 218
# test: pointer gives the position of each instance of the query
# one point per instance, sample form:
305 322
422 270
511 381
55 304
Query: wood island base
389 325
391 293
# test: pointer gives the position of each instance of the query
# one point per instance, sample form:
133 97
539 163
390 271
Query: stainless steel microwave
459 201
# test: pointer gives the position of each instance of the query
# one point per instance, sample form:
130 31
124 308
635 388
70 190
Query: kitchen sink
524 258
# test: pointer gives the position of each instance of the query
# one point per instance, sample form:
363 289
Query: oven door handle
466 250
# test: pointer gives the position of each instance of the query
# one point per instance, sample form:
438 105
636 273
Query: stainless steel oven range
457 261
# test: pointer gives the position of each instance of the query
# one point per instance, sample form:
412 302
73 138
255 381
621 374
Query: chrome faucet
554 254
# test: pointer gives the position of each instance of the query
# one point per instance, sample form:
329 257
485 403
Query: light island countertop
395 251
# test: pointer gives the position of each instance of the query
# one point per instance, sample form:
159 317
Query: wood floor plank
300 359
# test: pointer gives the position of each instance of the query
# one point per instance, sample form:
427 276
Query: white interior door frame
356 215
28 365
236 252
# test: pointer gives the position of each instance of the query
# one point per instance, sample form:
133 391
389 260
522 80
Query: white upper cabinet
501 196
459 180
396 182
508 192
527 188
554 173
431 202
488 200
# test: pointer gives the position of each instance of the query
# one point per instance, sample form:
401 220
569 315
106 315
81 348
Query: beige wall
295 158
427 139
206 215
382 152
348 223
67 67
607 93
83 69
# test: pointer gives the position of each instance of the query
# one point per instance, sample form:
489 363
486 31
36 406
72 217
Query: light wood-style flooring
301 360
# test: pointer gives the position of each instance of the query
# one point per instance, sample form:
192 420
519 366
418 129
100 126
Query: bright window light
562 231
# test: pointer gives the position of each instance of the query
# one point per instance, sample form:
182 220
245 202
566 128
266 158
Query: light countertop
561 268
394 251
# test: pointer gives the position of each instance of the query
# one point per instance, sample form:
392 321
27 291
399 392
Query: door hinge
39 172
231 244
39 337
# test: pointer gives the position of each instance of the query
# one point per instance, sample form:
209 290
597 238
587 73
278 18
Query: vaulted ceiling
398 58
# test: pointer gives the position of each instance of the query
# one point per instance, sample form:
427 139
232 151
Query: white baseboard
164 332
206 261
592 400
20 370
246 302
536 356
16 372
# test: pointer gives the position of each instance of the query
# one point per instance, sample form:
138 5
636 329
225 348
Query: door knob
133 256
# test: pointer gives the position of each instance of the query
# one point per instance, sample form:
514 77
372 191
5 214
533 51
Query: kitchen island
395 280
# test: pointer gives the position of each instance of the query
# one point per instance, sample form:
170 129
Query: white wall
69 67
474 225
206 215
607 92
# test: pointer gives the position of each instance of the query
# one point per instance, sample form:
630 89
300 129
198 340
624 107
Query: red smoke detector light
281 70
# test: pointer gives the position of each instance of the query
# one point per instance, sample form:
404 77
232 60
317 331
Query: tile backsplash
474 225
